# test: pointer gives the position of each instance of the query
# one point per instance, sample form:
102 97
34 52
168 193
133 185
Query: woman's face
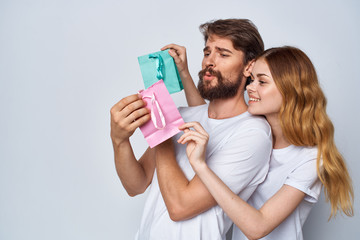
264 96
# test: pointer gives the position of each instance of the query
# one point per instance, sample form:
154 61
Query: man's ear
248 68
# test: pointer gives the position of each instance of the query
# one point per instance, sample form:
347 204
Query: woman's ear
248 68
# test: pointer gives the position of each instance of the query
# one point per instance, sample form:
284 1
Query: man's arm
127 115
192 95
184 199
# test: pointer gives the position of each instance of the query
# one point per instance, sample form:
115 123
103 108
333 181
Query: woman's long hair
304 121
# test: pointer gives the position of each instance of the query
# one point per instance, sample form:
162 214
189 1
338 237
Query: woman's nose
250 87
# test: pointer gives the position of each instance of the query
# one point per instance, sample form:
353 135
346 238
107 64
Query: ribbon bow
159 65
153 116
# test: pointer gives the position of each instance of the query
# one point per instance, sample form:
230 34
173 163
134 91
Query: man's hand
127 115
179 55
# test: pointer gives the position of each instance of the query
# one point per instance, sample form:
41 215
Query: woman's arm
252 222
193 97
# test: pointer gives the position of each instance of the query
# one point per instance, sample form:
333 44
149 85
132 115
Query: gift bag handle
159 65
153 117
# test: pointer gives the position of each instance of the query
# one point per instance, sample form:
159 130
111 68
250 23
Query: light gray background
63 64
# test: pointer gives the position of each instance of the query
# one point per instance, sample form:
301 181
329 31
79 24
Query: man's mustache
209 70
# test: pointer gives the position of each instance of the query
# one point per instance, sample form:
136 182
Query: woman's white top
296 167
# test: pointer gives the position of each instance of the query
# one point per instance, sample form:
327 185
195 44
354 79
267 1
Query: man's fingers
124 102
140 121
175 56
167 47
175 50
132 107
135 115
173 46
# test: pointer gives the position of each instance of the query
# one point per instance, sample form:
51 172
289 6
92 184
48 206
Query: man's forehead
220 42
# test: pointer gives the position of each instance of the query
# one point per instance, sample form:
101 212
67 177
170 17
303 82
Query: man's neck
227 108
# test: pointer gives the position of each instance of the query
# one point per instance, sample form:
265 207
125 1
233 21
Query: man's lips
208 76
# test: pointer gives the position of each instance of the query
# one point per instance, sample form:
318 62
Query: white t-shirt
296 167
238 151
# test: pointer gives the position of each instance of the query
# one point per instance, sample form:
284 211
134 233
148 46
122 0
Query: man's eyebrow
218 49
223 50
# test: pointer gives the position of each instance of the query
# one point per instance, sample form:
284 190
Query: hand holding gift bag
157 66
165 117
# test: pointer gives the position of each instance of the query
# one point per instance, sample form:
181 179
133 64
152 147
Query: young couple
260 166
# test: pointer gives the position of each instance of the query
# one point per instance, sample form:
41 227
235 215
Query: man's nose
210 61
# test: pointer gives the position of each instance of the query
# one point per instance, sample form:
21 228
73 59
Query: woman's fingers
194 136
196 126
198 140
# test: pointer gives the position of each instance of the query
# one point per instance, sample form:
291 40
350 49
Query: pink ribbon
153 117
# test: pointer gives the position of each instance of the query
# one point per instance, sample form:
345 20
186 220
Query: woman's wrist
199 166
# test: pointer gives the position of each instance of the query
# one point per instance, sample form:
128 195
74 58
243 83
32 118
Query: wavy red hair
304 121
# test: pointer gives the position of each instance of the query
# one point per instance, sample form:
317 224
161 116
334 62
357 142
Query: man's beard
223 89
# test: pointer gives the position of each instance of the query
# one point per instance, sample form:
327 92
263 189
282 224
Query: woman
284 88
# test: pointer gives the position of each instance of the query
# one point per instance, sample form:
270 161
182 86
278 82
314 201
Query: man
179 206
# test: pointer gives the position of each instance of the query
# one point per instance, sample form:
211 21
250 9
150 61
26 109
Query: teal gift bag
160 65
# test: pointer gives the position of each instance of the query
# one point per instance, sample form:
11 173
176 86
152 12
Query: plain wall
63 64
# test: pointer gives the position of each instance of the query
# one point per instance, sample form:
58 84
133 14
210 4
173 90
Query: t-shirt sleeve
305 178
243 160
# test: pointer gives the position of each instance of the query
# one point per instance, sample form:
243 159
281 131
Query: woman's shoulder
309 152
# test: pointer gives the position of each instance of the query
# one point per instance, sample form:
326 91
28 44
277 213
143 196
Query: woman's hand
196 139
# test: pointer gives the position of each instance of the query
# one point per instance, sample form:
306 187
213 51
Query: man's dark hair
242 32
